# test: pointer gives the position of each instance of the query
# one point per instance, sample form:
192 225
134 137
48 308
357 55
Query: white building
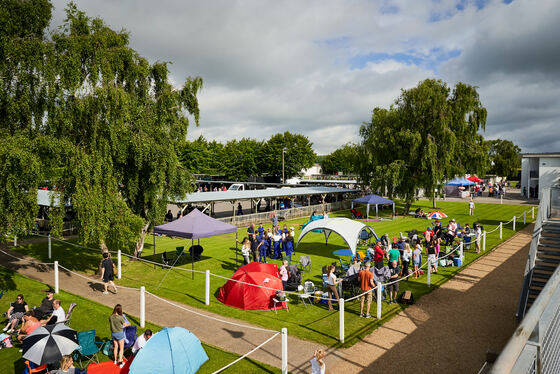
538 171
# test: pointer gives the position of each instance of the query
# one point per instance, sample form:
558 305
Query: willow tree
93 119
430 134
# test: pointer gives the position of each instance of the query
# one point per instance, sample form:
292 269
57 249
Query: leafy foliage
504 157
429 135
98 121
240 159
344 160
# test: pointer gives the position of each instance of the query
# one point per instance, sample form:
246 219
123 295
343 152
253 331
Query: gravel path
447 331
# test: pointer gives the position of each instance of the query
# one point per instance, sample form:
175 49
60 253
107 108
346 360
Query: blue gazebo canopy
462 181
373 200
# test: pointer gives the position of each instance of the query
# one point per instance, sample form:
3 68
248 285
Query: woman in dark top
107 274
15 313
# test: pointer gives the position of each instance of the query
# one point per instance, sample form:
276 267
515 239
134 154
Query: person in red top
428 235
378 255
366 284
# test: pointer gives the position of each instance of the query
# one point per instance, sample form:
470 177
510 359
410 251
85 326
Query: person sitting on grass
67 366
46 304
393 286
56 316
15 313
30 323
141 341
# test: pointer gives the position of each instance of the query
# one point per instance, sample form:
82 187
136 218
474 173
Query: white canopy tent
348 229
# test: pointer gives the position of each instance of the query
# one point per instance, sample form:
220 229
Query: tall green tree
298 155
241 158
102 124
504 157
344 159
430 134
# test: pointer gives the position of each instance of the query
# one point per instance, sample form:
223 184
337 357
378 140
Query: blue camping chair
130 336
467 242
88 347
343 265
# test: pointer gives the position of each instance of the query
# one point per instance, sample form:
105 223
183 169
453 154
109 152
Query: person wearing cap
477 236
46 304
428 234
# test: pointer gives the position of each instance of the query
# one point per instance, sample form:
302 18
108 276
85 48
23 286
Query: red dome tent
244 296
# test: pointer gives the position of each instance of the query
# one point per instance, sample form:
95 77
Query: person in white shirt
141 341
58 312
317 363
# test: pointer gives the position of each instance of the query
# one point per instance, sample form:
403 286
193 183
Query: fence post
429 280
461 250
50 249
524 217
56 277
484 241
341 318
378 301
15 240
284 350
501 231
142 306
533 212
513 223
207 287
501 200
119 271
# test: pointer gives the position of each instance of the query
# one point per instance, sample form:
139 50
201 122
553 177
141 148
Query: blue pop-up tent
172 350
459 181
373 200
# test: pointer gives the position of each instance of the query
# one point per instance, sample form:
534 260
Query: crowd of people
23 320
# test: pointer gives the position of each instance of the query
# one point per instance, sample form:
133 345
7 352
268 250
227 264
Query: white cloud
320 67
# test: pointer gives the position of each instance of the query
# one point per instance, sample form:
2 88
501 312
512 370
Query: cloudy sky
320 67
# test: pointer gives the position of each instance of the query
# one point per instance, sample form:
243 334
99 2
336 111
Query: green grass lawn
91 315
314 323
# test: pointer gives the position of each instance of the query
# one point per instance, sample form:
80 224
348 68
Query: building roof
537 155
205 197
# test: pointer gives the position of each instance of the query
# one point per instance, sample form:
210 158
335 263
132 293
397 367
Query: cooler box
457 261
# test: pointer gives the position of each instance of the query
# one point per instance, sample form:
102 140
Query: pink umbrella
437 215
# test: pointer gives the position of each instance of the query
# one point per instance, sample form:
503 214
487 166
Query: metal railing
542 216
535 344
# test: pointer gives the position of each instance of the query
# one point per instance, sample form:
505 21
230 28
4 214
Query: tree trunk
434 200
140 242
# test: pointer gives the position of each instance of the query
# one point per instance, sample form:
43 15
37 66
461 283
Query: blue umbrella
343 252
172 350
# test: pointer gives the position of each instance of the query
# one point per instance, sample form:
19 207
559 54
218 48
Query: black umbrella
47 344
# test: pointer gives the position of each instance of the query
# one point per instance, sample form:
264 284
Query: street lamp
283 177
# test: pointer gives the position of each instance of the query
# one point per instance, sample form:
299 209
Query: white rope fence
459 248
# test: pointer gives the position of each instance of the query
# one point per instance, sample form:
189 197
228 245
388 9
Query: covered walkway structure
254 196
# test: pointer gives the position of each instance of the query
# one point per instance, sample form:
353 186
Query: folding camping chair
88 347
304 264
130 336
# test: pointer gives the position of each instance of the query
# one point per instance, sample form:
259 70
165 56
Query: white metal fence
535 344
